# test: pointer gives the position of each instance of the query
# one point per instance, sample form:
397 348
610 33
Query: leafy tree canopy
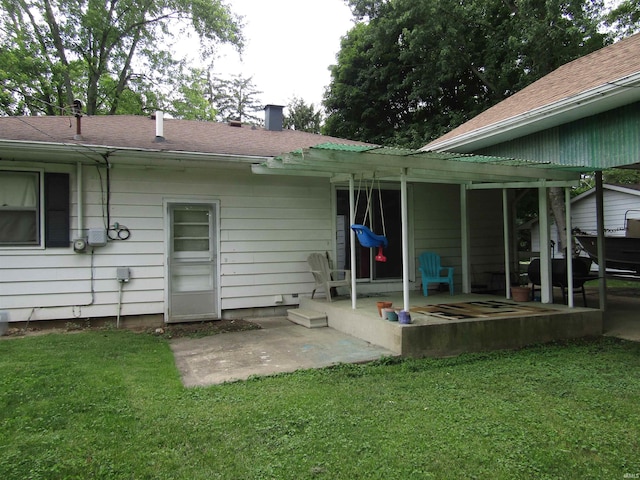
109 54
415 69
625 18
236 98
303 117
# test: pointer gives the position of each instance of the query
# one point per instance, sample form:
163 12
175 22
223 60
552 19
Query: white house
621 203
174 220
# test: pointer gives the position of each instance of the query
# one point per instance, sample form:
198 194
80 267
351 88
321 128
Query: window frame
40 206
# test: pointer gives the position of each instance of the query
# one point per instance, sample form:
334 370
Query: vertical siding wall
437 228
606 140
268 226
616 204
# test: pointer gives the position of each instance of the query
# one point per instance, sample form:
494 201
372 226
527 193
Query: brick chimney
273 117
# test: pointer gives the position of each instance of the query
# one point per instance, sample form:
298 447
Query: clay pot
520 294
382 305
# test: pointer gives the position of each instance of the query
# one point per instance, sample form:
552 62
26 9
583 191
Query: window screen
19 215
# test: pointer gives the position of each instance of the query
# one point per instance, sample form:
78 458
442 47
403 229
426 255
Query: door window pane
191 229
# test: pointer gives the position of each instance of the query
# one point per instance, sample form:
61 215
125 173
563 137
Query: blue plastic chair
431 271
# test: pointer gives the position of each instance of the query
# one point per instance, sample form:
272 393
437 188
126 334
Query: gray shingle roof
138 132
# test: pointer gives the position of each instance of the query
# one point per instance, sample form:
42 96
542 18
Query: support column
464 233
568 251
507 257
405 239
352 241
602 262
546 288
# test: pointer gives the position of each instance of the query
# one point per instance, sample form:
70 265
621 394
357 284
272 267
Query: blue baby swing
366 237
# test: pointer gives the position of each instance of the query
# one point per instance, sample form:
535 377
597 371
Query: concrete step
307 318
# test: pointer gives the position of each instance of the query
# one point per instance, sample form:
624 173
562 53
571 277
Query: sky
289 45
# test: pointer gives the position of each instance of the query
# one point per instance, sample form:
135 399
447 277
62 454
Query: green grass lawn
109 404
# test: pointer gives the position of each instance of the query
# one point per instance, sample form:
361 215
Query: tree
302 117
236 99
417 69
194 99
625 18
92 50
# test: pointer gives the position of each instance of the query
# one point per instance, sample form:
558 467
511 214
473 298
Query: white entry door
192 262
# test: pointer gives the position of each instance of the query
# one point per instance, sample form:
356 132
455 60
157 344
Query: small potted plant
520 290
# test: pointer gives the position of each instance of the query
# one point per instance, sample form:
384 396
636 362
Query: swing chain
369 196
384 230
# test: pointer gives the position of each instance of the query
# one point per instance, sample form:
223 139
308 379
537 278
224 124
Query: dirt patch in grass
175 330
203 329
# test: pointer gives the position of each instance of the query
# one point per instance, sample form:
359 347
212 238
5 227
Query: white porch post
546 289
568 252
602 260
352 243
505 229
464 232
405 239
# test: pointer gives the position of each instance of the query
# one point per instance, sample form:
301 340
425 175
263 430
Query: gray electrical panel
123 274
97 237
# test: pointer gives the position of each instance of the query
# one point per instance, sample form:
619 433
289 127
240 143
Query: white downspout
352 243
405 239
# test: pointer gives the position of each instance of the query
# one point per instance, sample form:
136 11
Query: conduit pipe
79 198
119 303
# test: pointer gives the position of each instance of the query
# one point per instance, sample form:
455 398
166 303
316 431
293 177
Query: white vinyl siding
268 227
616 204
437 228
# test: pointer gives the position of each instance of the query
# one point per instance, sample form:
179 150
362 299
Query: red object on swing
380 256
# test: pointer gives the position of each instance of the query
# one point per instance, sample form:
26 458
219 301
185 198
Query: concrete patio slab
280 346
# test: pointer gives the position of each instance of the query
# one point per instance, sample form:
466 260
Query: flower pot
521 294
404 317
390 314
382 305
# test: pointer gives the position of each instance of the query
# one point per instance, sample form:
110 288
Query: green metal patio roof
340 161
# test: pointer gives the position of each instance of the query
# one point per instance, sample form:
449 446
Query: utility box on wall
123 274
97 237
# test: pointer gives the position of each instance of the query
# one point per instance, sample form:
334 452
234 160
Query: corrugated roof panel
604 141
343 147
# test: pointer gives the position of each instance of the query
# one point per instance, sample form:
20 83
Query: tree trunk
59 46
556 198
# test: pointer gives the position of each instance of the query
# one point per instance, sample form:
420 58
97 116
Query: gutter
590 102
22 150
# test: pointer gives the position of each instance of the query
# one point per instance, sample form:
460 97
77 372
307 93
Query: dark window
56 210
20 215
19 208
